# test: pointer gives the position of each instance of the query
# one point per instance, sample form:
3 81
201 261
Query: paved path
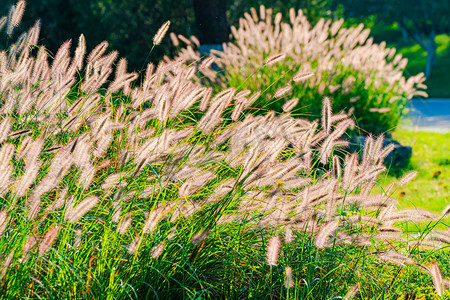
428 115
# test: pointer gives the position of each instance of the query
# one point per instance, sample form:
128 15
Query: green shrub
362 78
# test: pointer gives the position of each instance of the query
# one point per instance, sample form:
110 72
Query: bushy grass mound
154 189
268 55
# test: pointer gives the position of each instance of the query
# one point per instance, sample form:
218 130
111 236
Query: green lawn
431 159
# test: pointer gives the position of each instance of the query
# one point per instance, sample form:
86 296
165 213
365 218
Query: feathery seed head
288 235
273 250
282 91
288 278
274 59
174 39
352 291
407 178
184 39
15 16
5 265
124 224
49 239
4 220
77 240
302 76
157 250
207 62
199 237
73 214
290 104
324 234
157 39
3 21
437 277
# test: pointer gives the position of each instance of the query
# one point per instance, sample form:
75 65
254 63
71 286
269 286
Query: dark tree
128 25
60 20
211 19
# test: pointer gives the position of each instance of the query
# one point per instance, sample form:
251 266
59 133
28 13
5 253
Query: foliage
417 57
128 26
421 18
110 189
437 83
362 78
421 21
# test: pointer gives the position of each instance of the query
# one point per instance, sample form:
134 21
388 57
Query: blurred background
419 29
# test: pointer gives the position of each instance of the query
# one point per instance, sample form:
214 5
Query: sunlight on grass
431 159
438 82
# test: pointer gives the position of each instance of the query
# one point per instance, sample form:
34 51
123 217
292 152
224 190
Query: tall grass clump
116 188
274 57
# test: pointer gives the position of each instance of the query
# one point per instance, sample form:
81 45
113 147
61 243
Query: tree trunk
431 48
404 35
428 42
211 20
